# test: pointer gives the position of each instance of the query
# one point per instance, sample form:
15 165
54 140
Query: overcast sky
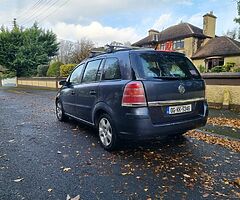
103 21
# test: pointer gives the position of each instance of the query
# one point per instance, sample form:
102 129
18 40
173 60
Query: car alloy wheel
105 132
60 112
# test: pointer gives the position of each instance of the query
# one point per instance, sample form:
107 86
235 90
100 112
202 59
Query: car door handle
73 93
92 92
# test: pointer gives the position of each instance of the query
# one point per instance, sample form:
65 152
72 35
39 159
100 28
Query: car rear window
164 66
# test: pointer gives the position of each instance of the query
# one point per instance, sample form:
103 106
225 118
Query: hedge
42 70
54 69
65 70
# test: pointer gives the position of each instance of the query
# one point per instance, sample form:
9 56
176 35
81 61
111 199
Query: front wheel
60 112
107 132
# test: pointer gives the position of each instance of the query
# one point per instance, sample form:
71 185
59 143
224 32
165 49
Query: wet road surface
41 158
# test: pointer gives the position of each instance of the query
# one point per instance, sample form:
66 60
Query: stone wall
223 90
40 82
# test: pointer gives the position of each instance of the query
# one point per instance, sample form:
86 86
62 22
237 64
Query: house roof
219 46
180 31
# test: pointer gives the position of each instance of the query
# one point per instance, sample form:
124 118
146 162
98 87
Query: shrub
201 69
54 69
42 70
8 74
218 69
65 70
236 69
229 65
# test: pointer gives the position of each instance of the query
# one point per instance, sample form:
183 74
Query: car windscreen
164 66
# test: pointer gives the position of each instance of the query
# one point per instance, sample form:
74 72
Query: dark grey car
134 94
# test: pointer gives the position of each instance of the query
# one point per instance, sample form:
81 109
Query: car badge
181 89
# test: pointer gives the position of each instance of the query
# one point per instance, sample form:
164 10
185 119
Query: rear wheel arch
98 114
100 109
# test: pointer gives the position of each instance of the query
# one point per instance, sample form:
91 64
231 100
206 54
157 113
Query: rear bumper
139 126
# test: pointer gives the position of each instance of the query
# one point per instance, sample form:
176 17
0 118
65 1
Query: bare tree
232 33
82 50
116 43
65 51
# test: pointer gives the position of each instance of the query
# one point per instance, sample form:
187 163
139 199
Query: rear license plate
179 109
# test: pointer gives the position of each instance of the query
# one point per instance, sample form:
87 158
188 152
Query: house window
162 47
214 61
178 44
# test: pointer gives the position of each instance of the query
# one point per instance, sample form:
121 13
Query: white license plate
179 109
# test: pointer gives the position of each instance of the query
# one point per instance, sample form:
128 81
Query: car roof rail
96 53
113 48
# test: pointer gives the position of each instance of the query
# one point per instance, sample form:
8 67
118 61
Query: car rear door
173 87
87 91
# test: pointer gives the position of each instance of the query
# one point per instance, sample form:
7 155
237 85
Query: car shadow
133 145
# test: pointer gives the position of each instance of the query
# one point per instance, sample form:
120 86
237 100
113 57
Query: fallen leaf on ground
186 176
205 195
212 139
235 123
237 182
74 198
18 180
66 169
221 194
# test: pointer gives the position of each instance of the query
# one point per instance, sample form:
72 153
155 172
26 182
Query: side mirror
62 82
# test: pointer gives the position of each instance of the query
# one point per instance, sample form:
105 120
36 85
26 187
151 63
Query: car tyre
60 112
107 132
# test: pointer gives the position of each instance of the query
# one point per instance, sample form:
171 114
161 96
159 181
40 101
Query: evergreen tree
22 50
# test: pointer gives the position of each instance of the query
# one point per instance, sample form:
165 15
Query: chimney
209 24
152 32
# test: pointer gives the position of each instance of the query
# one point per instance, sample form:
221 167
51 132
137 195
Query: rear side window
91 71
111 69
75 76
155 65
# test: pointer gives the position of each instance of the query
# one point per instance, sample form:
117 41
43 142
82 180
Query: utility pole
14 23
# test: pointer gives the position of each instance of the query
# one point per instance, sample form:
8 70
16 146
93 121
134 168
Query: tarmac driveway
41 158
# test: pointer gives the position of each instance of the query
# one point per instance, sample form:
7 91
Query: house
202 46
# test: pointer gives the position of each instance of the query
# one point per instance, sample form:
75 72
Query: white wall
9 82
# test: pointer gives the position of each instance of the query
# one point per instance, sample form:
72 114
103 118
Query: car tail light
134 95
